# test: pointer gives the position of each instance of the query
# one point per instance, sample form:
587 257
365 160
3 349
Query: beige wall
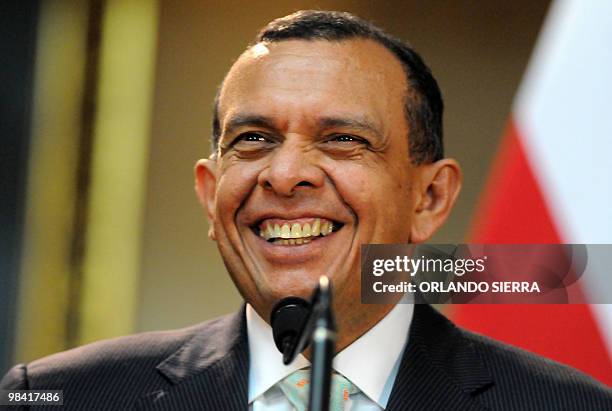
477 50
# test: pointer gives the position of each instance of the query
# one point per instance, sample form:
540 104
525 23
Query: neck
354 321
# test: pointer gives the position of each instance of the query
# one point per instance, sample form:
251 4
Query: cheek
234 186
362 188
351 184
380 198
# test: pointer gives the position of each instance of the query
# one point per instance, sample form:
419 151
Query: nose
292 167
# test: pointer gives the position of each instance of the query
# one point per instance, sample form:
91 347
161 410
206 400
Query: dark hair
423 103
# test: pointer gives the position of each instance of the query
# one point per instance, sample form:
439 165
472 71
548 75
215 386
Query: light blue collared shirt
371 362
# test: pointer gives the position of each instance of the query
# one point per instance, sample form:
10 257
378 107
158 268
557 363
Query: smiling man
312 160
327 135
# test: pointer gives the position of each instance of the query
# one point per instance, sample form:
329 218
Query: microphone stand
323 347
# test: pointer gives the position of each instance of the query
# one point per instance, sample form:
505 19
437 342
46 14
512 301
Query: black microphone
288 319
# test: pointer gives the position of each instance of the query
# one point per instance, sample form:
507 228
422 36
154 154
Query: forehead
303 77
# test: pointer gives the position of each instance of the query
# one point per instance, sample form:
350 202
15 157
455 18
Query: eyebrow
354 123
242 120
247 119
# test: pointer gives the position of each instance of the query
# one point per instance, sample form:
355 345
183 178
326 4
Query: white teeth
269 232
316 227
285 231
296 231
324 228
290 234
292 241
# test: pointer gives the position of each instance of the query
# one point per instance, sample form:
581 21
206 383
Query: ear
206 188
437 189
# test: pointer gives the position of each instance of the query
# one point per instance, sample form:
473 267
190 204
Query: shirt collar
382 345
266 366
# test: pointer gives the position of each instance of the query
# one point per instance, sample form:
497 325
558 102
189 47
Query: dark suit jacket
205 367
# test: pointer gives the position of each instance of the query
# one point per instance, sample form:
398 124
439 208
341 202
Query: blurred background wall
103 233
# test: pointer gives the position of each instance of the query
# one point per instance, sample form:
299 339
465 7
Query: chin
290 285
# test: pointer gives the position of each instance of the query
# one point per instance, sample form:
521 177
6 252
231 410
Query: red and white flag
551 182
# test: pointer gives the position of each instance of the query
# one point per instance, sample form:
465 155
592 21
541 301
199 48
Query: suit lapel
440 369
209 372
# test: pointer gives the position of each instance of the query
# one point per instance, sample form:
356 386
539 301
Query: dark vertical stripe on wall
90 93
18 23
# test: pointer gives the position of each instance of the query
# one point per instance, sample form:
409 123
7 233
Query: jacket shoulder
520 376
124 367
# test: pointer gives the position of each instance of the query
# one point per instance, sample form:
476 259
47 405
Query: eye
251 137
346 138
251 143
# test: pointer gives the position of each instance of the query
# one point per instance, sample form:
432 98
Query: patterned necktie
296 388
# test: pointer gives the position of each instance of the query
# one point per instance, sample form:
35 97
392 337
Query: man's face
313 162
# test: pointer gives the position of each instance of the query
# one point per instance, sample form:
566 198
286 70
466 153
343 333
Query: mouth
295 232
